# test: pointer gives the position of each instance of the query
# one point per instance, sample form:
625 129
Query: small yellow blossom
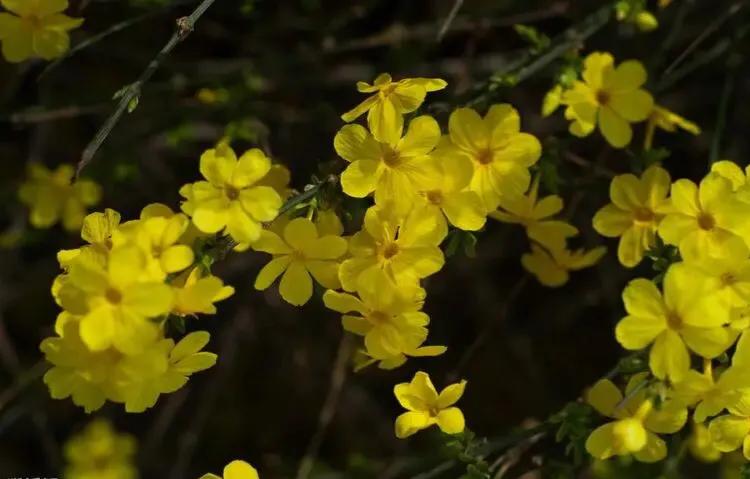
52 196
119 304
100 452
552 100
608 97
394 167
709 396
301 252
732 431
500 153
230 199
668 121
636 424
407 249
638 205
426 407
552 263
35 28
446 195
739 178
704 217
235 470
390 101
389 318
686 316
196 293
727 272
534 215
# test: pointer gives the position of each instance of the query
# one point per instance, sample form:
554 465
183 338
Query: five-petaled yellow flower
35 28
638 205
500 153
100 452
300 252
393 168
608 97
231 199
685 316
426 407
552 263
235 470
390 101
637 421
52 196
389 318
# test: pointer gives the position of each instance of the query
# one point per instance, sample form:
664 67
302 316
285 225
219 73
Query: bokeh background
281 72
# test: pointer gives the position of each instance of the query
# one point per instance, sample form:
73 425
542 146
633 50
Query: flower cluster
117 293
35 28
609 98
52 196
100 452
698 316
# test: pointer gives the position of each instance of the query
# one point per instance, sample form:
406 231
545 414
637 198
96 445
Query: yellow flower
686 316
231 200
194 293
426 407
100 452
389 318
701 444
739 178
235 470
710 396
394 167
727 272
161 369
390 101
446 195
608 97
97 231
704 217
406 249
86 376
668 121
51 196
119 304
638 205
552 265
158 238
300 253
534 215
500 153
732 431
636 424
38 29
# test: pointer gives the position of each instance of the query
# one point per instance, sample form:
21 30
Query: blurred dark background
285 71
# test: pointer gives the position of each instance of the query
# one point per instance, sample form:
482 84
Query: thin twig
457 4
710 29
721 117
130 93
43 116
338 377
24 380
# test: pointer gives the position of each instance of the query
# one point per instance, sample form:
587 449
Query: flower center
231 192
602 97
113 296
674 321
391 158
378 317
727 279
706 221
485 156
390 250
643 215
435 197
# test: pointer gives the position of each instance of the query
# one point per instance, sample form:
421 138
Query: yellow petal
421 137
411 422
217 166
262 202
360 178
604 397
342 302
271 271
251 167
600 442
385 122
669 357
296 285
240 470
451 420
299 233
654 451
467 130
451 394
615 129
728 432
176 258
